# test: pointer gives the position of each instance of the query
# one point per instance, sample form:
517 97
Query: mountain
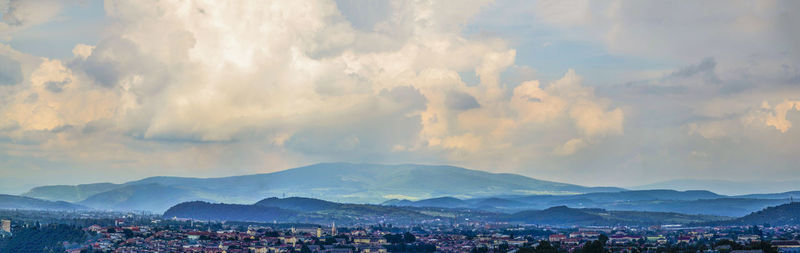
71 193
690 202
398 202
724 186
343 182
497 204
298 204
651 195
20 202
447 202
228 212
782 195
786 214
300 210
149 197
308 210
488 204
562 215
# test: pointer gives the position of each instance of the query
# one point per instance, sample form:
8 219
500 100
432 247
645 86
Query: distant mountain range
315 211
298 210
307 210
562 215
786 214
343 182
405 185
723 186
19 202
688 202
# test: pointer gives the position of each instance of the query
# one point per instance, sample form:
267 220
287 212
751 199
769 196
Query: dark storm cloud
57 87
461 101
705 68
406 95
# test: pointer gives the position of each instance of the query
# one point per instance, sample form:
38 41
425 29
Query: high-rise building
333 229
6 225
319 232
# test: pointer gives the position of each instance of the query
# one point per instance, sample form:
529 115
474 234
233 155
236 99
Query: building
557 237
745 239
5 225
748 251
787 246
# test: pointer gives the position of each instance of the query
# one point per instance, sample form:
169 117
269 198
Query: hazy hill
497 204
149 197
652 195
307 210
562 215
734 207
343 182
690 202
20 202
447 202
782 195
436 186
71 193
303 210
228 212
298 204
559 215
723 186
786 214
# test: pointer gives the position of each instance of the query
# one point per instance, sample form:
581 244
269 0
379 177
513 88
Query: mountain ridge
309 210
341 182
28 203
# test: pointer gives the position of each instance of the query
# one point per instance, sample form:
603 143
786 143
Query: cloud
706 66
744 31
570 147
59 102
306 82
777 118
19 14
461 101
259 86
10 71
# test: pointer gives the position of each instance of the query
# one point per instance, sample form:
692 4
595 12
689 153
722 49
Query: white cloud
21 14
777 118
258 86
300 78
570 147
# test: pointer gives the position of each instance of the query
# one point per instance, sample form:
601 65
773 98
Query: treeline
42 238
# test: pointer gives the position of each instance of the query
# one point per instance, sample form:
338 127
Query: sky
613 93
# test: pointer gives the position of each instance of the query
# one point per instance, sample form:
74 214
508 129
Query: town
130 232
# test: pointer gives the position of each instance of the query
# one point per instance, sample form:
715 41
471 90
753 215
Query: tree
393 238
128 233
409 238
545 247
593 247
603 239
526 250
305 249
502 247
480 250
